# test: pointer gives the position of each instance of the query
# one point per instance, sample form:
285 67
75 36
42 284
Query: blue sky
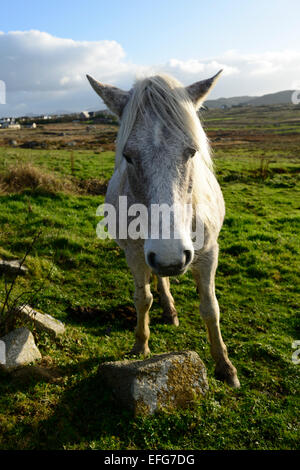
256 42
155 30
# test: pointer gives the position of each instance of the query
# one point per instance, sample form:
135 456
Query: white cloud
195 67
44 73
33 60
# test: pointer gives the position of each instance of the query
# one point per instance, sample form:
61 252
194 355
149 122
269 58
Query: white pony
163 158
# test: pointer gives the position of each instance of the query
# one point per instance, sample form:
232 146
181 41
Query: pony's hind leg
142 300
204 269
167 301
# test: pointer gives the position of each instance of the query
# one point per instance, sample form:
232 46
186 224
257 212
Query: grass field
59 406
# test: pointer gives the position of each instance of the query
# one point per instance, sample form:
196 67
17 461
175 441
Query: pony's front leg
167 301
142 300
204 270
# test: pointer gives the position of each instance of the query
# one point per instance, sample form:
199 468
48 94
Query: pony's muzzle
174 268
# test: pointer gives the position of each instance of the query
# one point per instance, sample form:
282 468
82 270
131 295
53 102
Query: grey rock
12 267
168 381
20 349
43 321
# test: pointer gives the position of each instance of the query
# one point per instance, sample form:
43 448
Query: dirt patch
73 135
125 314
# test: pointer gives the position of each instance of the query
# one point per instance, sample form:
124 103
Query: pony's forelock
168 100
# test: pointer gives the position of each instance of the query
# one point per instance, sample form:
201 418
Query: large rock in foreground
20 349
165 381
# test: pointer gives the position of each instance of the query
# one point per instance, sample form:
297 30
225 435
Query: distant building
84 115
4 121
11 125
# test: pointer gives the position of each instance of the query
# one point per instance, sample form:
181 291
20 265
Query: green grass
87 163
257 288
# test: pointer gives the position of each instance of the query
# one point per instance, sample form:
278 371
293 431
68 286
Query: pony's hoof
170 317
233 381
228 374
140 349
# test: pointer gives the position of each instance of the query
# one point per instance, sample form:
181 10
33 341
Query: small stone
20 349
168 380
27 373
43 321
12 267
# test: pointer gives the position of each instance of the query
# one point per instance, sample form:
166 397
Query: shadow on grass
116 317
125 315
84 413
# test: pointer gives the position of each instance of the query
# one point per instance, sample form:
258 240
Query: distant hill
281 97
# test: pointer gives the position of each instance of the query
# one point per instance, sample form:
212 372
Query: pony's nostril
188 257
151 259
173 267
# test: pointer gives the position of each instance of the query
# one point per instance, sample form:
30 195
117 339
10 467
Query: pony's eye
127 158
189 152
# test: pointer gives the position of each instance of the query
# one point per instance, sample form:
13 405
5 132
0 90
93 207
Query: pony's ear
199 90
114 98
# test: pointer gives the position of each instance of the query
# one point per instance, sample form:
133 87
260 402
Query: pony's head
160 144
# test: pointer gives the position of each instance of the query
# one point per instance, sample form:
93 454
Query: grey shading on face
155 159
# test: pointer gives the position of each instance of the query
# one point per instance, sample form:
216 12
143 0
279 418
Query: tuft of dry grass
21 176
92 186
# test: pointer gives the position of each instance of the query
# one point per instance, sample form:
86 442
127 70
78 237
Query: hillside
281 97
